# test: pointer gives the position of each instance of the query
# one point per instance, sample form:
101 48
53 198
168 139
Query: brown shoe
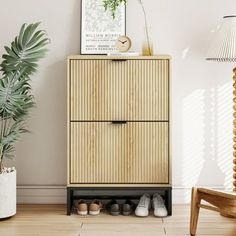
81 207
95 207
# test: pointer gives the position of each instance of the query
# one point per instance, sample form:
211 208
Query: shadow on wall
207 137
206 119
218 151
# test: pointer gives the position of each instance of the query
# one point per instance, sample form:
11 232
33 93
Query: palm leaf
28 46
15 100
13 135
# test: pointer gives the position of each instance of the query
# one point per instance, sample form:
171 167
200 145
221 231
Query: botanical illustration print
99 20
99 29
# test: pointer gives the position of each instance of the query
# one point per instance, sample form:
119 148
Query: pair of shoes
82 207
115 209
145 204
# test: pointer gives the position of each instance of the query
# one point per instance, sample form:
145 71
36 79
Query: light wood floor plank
51 220
123 227
122 234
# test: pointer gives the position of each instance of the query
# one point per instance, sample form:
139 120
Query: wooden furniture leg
220 201
195 202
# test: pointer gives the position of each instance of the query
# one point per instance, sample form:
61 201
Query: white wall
201 91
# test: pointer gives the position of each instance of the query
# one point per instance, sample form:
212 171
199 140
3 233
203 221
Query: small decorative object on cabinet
123 44
147 45
118 127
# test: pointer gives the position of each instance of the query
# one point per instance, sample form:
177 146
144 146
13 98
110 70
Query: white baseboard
57 194
182 195
41 194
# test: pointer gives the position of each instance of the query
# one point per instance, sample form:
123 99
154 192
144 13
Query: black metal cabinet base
117 193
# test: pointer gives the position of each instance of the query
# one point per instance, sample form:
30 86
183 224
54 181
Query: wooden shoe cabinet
118 126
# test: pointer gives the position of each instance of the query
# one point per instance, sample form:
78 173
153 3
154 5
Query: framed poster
99 31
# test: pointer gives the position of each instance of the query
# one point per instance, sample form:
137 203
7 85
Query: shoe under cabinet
118 127
126 207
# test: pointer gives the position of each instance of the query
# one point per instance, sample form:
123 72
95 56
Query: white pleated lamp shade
223 47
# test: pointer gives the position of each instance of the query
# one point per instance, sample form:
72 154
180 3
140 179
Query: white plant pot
7 194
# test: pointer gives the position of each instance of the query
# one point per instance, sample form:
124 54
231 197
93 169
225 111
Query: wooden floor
51 220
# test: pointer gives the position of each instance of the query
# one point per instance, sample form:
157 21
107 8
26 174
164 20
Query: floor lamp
223 49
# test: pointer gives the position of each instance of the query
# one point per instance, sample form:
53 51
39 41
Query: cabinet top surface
104 57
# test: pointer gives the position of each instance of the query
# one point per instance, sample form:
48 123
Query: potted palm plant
19 62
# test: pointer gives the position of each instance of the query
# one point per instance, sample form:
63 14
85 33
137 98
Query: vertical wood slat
136 152
132 90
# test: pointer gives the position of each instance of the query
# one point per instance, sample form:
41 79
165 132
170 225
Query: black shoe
113 208
127 208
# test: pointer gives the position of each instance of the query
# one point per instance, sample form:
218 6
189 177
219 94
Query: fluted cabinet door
98 90
132 90
148 90
104 152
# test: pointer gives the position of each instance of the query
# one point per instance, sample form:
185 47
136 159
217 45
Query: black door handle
119 122
119 59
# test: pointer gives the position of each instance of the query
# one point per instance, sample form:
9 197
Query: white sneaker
143 206
159 206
